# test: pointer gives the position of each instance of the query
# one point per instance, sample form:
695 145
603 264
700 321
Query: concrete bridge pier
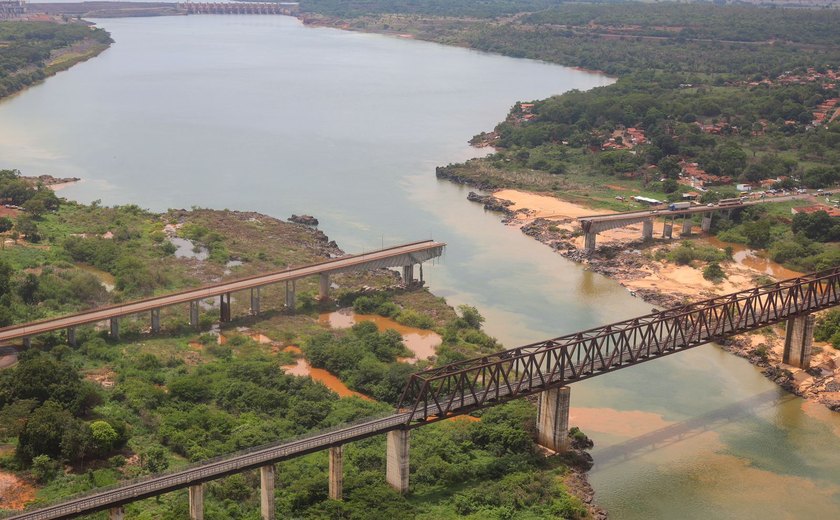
647 230
668 230
324 287
686 226
71 336
197 502
396 466
194 313
553 419
155 321
799 337
255 301
267 510
115 328
290 295
27 342
589 241
706 223
224 307
336 472
408 274
116 513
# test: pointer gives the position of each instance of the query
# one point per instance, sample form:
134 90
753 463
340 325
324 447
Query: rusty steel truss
476 383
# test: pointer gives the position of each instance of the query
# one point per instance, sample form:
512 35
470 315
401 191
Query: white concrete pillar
589 241
197 502
116 513
396 463
667 231
686 227
194 313
408 274
290 295
115 328
647 230
324 287
255 301
706 223
553 419
799 337
267 509
336 472
155 321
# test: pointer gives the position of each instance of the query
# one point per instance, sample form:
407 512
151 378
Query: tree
6 224
471 316
713 272
670 167
51 430
817 226
104 436
154 459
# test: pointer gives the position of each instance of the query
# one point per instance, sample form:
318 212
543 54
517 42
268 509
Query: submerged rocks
492 203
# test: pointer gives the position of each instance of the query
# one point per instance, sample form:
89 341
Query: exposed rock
306 220
492 203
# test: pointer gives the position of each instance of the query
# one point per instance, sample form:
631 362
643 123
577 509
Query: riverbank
646 272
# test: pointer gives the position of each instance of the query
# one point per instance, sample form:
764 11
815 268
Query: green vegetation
30 48
828 328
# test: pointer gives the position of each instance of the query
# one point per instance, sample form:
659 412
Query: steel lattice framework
476 383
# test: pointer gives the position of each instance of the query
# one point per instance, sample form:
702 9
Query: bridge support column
255 301
267 510
706 223
408 274
224 307
668 230
798 339
194 313
686 229
290 295
553 419
589 241
336 472
115 329
71 336
197 502
27 342
155 321
647 230
396 470
116 513
324 287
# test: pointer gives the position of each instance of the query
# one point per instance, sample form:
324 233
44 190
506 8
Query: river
264 114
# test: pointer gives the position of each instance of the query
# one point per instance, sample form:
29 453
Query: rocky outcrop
306 220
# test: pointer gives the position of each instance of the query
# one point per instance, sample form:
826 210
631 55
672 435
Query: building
11 9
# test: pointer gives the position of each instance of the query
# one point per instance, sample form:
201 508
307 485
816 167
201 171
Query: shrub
714 273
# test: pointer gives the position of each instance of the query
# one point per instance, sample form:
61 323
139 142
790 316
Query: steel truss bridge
463 387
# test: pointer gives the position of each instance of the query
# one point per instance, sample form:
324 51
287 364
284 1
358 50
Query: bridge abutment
267 510
589 241
197 502
336 472
799 337
647 230
408 274
396 462
553 419
116 513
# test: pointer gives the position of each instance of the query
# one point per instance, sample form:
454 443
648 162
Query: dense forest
29 47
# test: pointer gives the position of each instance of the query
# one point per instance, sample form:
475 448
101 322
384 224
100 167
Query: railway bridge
545 368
